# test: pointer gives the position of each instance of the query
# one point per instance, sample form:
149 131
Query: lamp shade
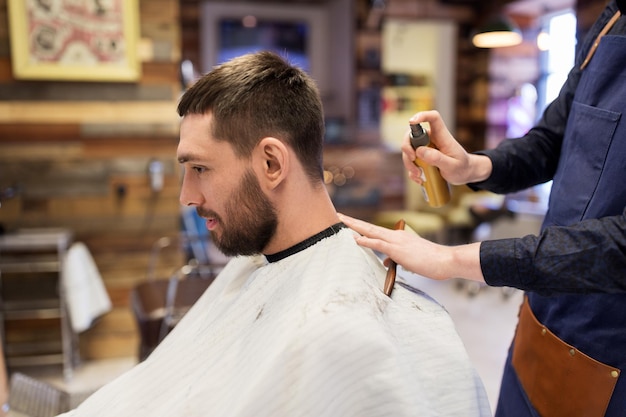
497 33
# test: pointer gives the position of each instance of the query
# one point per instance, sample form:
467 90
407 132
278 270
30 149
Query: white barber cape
309 335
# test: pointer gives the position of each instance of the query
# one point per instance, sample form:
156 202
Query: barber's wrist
465 262
480 168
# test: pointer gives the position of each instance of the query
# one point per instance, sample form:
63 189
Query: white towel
85 294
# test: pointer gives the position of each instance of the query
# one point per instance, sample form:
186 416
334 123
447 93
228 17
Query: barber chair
158 304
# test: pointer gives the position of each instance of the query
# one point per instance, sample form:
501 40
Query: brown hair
259 95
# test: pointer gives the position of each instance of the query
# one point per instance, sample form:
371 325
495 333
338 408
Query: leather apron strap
603 32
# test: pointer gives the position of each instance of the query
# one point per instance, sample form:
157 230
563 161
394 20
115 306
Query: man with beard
297 323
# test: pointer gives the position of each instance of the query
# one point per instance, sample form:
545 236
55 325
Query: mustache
207 213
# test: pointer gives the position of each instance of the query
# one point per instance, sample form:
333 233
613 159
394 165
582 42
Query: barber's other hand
405 247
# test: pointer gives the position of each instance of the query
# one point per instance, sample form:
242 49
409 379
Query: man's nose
188 195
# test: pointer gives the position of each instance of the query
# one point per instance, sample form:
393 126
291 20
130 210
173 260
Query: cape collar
307 243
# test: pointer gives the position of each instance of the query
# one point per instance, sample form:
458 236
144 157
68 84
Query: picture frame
71 40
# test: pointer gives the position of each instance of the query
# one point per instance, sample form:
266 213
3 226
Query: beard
251 217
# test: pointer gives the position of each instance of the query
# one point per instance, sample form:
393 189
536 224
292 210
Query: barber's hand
405 247
455 164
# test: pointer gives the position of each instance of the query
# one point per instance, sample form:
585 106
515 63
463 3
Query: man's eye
199 170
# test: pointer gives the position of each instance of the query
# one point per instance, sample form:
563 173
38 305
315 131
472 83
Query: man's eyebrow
186 158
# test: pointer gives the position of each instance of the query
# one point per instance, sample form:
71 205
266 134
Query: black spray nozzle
419 137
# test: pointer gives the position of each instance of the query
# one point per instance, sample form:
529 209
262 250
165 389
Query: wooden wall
78 154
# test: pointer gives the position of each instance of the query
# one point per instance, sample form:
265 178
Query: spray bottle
436 189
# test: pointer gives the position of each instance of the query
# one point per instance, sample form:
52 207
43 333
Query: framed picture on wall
74 40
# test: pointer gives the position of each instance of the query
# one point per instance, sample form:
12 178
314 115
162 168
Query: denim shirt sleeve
587 257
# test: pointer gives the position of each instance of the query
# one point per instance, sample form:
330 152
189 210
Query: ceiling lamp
497 33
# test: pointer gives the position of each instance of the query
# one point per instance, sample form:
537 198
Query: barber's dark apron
569 350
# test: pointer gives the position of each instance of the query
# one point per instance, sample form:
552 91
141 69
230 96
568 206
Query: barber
569 348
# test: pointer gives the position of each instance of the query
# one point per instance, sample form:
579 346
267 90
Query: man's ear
272 156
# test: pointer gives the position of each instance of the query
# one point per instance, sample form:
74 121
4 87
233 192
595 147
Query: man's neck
301 216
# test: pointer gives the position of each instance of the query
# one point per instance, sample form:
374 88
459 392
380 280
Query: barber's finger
429 155
433 117
439 133
415 172
364 228
406 145
377 244
424 116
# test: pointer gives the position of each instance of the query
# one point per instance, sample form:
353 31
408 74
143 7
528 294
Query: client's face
250 219
224 190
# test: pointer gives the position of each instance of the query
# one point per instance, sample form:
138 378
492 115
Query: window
557 41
